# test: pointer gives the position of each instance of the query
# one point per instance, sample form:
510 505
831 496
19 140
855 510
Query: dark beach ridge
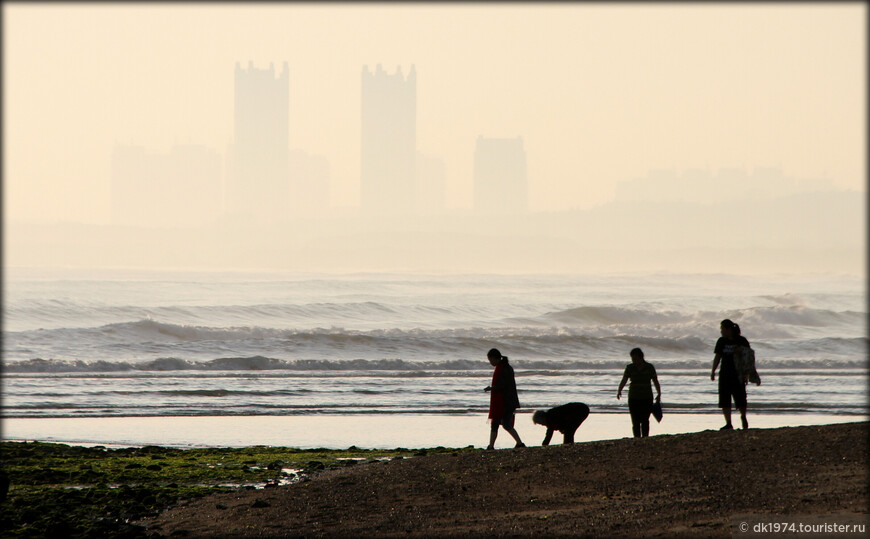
686 484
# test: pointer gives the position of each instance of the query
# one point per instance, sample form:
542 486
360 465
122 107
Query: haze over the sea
451 137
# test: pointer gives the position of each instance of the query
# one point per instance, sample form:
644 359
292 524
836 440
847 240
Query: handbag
657 410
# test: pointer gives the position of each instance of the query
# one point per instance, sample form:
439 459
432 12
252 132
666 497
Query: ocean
172 344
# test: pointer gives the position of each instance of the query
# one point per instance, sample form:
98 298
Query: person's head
495 357
636 356
735 330
727 328
539 417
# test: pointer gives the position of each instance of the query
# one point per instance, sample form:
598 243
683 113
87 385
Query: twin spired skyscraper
268 182
390 173
258 160
388 138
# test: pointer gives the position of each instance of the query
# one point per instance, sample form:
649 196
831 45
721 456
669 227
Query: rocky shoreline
59 490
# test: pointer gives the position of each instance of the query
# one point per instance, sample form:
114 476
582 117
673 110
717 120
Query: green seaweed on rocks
59 490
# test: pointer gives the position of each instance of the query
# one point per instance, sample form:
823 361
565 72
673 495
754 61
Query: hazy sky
599 92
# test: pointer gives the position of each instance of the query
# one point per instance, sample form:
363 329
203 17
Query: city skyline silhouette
646 133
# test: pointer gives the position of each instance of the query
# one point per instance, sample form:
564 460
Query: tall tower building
388 142
258 174
500 184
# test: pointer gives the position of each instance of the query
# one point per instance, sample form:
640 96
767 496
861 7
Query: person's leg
493 434
726 411
508 424
725 402
644 419
633 410
740 403
568 437
584 413
515 435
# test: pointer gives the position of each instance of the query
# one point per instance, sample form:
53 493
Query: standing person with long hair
730 384
503 398
640 397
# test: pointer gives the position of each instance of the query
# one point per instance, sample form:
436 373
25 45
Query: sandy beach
683 484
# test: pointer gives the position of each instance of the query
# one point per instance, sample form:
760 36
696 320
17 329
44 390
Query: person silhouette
730 384
565 419
503 398
640 398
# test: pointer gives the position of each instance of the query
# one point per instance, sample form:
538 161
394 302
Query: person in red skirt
503 399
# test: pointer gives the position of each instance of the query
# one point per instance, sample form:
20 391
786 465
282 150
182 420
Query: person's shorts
640 409
507 421
731 387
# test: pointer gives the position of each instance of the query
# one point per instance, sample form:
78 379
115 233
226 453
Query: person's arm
548 437
621 385
496 386
716 359
655 379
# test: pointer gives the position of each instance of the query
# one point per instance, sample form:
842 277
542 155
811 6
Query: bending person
565 419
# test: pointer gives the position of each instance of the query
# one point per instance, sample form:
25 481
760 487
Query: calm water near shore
362 430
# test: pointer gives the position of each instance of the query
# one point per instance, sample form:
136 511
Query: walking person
640 397
503 398
730 384
565 419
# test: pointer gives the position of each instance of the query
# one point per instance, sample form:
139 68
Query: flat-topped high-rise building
500 184
258 174
388 142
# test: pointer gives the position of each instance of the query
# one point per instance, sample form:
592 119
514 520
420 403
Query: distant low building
702 186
